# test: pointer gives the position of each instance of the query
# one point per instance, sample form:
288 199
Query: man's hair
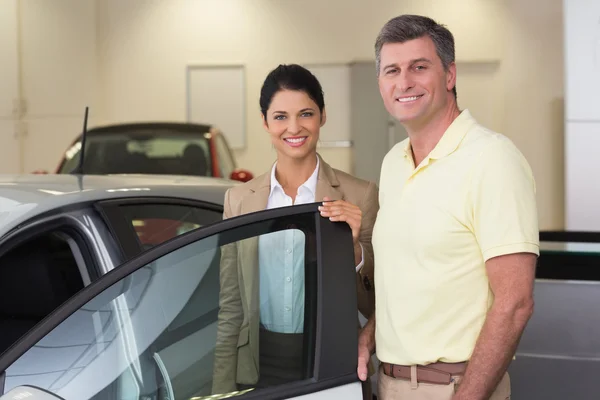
409 27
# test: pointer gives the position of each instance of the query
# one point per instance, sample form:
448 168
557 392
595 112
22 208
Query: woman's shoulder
236 194
347 180
358 191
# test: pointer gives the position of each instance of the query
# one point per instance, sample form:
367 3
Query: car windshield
142 151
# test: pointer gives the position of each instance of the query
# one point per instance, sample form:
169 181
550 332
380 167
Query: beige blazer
236 352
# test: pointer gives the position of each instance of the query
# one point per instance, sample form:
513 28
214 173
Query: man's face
412 81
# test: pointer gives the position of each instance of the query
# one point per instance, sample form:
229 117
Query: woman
293 111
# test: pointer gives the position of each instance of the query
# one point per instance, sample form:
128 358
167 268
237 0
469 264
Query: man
456 237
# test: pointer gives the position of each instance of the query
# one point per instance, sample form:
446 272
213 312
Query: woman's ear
323 117
264 121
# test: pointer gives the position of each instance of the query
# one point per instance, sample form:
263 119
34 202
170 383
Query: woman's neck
291 173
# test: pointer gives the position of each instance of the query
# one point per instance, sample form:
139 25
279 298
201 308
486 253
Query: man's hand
363 362
366 348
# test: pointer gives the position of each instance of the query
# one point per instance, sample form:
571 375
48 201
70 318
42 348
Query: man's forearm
493 352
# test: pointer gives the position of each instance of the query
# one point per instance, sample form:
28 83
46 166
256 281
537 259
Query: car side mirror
29 393
241 175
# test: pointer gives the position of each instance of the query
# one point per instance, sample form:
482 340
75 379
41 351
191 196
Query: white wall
582 59
58 48
9 86
533 68
145 45
48 65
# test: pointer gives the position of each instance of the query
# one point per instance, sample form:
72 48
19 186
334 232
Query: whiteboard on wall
335 81
216 96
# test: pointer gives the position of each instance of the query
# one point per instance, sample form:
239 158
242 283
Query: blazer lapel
259 195
327 183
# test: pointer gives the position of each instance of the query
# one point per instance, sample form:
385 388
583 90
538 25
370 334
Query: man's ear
451 77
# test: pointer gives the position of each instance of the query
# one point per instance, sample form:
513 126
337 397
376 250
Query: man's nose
405 82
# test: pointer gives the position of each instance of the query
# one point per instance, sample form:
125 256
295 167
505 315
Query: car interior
36 277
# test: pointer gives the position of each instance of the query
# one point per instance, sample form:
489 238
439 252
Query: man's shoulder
494 151
488 141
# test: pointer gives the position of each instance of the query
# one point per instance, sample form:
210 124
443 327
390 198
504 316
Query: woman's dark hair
290 77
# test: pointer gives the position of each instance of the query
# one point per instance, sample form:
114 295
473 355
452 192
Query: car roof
180 127
25 196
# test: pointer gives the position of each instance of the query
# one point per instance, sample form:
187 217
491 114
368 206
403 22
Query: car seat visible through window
35 278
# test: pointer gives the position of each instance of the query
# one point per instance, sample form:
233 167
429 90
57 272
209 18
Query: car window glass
191 324
148 151
36 277
157 223
226 161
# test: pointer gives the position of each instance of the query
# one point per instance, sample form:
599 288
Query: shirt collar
450 139
310 184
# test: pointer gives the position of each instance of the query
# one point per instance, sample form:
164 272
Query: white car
147 329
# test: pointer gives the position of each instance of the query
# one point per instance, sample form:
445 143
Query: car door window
36 277
231 313
157 223
139 224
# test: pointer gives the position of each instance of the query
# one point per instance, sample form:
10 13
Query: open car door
170 322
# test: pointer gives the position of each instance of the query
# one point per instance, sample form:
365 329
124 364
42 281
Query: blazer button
367 283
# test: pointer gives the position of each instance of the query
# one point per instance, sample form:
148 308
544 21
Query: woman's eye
307 114
279 117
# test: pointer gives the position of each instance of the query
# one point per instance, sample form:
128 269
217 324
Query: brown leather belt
438 373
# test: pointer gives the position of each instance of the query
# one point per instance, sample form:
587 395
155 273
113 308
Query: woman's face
294 121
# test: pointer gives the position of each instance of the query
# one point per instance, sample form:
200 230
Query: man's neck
425 136
292 173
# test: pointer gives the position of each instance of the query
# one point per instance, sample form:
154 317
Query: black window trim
570 236
122 230
337 312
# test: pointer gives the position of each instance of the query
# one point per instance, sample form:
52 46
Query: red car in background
155 148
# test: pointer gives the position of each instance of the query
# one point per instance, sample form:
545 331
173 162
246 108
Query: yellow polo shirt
471 199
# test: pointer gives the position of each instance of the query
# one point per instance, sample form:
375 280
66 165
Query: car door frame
335 348
122 230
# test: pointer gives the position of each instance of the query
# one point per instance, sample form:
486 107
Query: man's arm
366 348
511 280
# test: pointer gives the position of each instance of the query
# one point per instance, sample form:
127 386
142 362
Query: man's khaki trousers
399 389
